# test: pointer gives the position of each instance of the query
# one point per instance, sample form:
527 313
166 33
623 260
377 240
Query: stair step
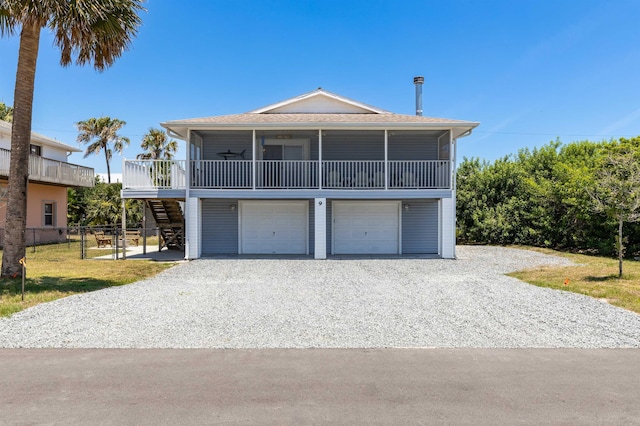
169 218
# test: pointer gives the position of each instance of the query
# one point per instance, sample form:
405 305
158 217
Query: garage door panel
366 227
274 227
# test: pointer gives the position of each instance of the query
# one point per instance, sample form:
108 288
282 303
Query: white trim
186 230
320 174
440 227
319 92
253 159
199 227
400 227
320 228
193 228
386 159
240 205
454 183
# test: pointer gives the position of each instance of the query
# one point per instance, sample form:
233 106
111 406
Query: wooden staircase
170 220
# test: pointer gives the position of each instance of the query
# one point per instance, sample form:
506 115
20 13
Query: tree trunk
106 156
620 247
16 219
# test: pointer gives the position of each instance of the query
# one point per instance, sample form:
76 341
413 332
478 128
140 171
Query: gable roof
319 101
318 109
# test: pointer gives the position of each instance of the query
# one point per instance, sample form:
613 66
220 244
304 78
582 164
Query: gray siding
313 146
361 145
420 227
412 146
444 147
219 227
337 145
213 143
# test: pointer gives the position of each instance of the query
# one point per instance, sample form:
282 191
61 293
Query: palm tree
161 151
93 32
99 133
156 146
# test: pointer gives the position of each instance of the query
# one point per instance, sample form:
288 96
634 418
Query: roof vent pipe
418 81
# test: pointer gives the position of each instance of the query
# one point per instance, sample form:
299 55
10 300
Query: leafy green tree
6 112
157 146
99 134
616 193
101 205
538 197
77 201
93 32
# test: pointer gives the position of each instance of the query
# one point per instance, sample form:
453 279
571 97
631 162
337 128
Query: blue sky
529 71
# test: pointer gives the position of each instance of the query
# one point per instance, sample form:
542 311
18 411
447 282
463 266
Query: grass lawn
593 276
56 271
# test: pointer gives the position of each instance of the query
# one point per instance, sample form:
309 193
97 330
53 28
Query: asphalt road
319 386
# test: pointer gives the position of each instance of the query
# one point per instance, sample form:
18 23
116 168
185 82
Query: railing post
386 159
320 175
253 161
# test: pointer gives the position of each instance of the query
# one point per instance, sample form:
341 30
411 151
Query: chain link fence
87 242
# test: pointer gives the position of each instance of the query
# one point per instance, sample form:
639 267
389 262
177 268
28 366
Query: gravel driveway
264 303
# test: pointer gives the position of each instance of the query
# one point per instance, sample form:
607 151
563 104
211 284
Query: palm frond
96 32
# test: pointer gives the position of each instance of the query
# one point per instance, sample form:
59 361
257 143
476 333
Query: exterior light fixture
406 206
232 207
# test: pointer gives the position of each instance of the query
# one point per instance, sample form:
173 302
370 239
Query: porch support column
453 146
448 228
192 231
253 160
320 159
320 227
124 230
386 159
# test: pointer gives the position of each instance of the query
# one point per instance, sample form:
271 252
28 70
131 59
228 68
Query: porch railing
287 174
221 174
52 171
419 174
290 174
151 174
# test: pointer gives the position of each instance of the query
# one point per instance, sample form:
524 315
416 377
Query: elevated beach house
317 175
49 177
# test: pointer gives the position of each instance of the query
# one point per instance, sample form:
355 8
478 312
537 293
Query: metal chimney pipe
418 81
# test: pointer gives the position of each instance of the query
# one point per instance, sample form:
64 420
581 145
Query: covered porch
303 159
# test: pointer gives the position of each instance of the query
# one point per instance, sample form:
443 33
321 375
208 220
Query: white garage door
366 227
274 227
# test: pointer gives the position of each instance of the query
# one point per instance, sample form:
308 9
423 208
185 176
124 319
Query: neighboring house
49 177
319 174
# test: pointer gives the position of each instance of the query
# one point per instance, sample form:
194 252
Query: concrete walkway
328 386
151 253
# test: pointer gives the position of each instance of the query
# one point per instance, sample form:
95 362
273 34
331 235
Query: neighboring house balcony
51 171
289 175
